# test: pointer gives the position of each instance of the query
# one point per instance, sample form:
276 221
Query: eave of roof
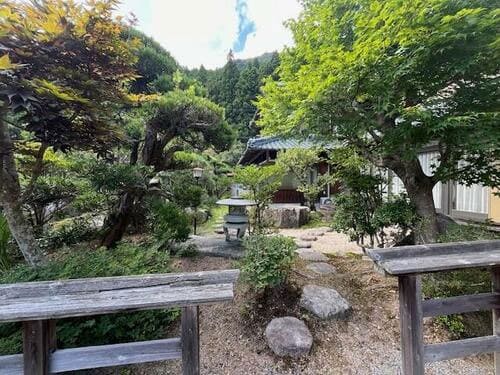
278 143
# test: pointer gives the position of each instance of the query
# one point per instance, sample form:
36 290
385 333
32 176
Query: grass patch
217 213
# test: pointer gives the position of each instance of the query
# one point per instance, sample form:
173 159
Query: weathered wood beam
432 249
112 301
115 355
461 304
410 316
37 341
436 257
190 340
495 286
100 356
102 284
11 364
461 348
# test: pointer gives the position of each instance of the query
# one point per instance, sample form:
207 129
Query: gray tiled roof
278 143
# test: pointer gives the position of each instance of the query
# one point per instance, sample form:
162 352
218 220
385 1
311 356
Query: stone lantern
237 217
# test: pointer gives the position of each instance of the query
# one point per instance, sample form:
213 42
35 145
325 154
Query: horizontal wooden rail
102 284
418 259
100 356
73 298
460 304
461 348
38 304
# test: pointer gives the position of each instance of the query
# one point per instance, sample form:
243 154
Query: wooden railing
38 304
408 263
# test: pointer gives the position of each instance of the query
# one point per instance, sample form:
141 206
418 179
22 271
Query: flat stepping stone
311 255
317 233
325 303
303 244
308 238
218 247
288 337
324 229
321 268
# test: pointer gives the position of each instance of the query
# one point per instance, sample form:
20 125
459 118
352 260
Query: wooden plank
11 364
449 248
436 257
115 355
461 304
101 284
36 349
495 286
410 316
443 262
100 356
190 338
112 301
461 348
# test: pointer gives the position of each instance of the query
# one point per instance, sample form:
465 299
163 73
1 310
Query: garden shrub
469 281
170 224
125 259
268 260
68 232
398 214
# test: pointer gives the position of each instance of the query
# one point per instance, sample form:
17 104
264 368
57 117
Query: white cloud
202 31
271 34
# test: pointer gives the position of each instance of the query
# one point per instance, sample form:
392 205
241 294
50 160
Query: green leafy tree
155 66
247 89
301 163
390 77
261 182
172 121
63 66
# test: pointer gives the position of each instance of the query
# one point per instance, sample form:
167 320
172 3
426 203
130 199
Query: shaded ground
366 343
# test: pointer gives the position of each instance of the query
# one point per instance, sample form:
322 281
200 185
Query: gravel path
366 343
330 243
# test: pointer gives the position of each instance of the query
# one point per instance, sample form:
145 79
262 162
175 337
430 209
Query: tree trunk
154 145
421 196
419 188
10 199
118 221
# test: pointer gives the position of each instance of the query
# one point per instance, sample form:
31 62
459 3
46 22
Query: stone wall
286 216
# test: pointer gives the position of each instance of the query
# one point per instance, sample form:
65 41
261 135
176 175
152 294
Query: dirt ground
365 343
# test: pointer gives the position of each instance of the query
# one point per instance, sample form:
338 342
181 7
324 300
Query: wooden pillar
38 341
410 316
495 286
190 340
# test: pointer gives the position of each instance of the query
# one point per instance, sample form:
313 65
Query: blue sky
202 31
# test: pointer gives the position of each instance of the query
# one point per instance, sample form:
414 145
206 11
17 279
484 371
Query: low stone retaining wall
286 216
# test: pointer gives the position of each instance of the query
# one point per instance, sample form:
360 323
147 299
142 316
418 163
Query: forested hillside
235 86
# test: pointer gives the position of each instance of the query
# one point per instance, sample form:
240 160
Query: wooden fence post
190 340
410 311
495 286
38 341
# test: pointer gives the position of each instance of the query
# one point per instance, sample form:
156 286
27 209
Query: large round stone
323 302
288 337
